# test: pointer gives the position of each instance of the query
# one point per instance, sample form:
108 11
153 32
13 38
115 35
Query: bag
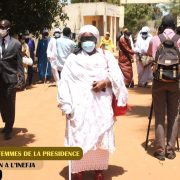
167 60
27 61
118 110
146 60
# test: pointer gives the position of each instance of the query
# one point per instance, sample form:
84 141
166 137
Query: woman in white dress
88 80
141 48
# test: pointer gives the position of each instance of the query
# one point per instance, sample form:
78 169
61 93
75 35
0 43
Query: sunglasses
144 33
88 38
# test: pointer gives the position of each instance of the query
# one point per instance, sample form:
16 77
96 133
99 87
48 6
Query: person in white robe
88 80
141 47
52 54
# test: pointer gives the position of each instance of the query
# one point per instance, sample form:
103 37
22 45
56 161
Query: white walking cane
46 71
69 144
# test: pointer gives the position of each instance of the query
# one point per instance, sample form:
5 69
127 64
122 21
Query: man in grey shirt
65 46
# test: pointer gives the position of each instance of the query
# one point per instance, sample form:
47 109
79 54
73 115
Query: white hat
145 29
89 29
57 30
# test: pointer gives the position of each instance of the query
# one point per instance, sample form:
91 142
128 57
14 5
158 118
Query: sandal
161 157
171 155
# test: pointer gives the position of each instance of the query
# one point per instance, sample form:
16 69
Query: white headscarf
145 29
89 29
143 44
57 30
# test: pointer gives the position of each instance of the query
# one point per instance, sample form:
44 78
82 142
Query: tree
31 14
137 15
175 7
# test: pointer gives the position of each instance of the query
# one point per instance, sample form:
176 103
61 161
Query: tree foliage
137 15
175 7
31 14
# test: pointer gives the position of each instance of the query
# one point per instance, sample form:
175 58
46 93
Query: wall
143 1
77 12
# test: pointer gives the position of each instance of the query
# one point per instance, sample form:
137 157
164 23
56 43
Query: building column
105 21
111 26
115 31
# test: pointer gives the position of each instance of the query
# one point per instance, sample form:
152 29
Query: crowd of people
93 73
88 76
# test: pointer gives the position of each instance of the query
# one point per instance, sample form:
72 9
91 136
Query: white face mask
88 46
56 35
3 32
144 35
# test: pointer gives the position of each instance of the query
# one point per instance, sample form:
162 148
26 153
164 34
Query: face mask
27 40
45 34
26 36
144 36
56 35
88 46
3 32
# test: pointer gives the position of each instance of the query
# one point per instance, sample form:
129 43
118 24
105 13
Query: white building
106 17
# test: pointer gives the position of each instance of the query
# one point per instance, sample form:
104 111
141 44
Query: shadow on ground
139 111
150 147
113 171
141 90
21 137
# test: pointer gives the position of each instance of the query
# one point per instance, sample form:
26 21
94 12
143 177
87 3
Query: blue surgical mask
88 46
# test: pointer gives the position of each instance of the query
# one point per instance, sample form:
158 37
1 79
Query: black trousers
30 75
165 102
7 103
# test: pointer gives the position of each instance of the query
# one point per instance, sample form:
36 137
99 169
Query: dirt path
40 123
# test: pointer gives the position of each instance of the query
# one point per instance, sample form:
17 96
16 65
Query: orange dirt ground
40 123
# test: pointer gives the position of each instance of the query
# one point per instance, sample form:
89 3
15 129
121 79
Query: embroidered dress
91 115
92 160
125 56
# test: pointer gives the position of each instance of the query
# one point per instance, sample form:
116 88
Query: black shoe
161 157
171 155
145 84
7 135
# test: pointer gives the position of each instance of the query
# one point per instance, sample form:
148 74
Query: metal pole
69 144
178 114
177 144
149 124
178 118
